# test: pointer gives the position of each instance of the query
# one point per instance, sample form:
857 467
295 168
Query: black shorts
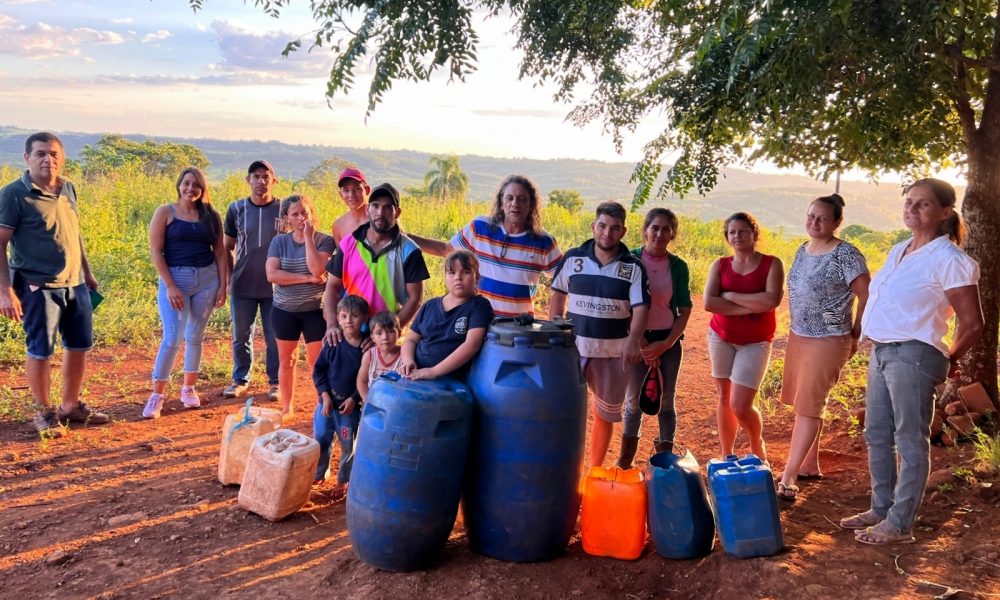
290 326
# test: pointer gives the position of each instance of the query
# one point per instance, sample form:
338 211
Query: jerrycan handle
391 376
247 420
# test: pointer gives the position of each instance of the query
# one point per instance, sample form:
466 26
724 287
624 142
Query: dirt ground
134 510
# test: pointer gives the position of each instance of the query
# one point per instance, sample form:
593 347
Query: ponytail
954 228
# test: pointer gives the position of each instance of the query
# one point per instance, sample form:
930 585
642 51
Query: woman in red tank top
742 292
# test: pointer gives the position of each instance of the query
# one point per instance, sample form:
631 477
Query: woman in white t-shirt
925 280
826 277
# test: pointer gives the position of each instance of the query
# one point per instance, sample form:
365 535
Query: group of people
350 295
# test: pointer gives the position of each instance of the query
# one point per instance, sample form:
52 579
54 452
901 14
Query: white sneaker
153 406
189 397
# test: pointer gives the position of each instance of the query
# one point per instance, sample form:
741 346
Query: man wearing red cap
354 191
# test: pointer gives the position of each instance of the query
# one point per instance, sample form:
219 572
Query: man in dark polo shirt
46 282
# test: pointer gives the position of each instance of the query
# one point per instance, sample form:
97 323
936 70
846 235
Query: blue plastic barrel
746 507
679 516
408 465
521 495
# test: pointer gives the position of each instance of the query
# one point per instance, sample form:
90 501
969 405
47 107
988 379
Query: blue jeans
670 365
900 406
244 313
199 286
345 427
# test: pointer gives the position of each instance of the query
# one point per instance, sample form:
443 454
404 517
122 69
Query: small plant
987 448
965 474
944 488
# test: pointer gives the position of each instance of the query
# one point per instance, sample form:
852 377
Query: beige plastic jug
238 433
279 474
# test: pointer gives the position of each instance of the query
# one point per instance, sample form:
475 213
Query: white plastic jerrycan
279 474
238 433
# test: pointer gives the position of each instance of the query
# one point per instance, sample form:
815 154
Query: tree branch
955 53
963 103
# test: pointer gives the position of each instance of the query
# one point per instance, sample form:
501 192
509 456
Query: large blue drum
521 493
408 465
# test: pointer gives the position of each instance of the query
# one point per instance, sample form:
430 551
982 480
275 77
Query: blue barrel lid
530 332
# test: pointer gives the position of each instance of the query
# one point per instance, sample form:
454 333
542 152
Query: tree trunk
981 211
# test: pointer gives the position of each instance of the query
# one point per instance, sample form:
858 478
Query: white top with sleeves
907 296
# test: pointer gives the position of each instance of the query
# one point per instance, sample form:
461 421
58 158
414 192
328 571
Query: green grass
769 393
115 213
987 447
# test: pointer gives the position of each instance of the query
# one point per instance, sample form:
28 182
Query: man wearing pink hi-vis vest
378 263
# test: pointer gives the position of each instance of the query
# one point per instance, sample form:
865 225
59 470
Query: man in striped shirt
512 248
607 294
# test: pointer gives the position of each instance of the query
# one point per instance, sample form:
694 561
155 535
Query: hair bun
838 199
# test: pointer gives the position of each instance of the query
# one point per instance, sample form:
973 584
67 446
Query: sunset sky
155 67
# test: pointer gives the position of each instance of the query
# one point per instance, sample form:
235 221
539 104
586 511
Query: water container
746 507
408 465
613 520
238 433
522 488
279 474
680 518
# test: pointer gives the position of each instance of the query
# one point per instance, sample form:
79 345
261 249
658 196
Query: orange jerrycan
613 522
238 433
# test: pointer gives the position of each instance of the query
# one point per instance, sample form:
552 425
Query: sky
156 67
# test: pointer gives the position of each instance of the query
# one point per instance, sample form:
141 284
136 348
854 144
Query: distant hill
777 200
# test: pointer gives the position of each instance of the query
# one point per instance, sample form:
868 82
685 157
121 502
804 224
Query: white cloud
221 80
42 40
244 50
156 36
23 1
122 21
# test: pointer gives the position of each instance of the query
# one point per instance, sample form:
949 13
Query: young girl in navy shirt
448 331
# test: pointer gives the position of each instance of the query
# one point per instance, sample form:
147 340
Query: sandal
787 492
809 476
339 494
860 520
883 534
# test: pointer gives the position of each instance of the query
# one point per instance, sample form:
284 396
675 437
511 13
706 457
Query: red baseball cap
352 173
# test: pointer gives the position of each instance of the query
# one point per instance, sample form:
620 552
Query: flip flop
883 534
809 476
787 492
860 520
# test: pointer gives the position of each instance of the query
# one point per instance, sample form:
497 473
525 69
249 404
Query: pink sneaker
153 406
189 397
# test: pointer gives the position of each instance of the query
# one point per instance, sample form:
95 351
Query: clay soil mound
134 510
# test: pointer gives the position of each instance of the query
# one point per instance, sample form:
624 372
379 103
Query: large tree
827 85
113 154
446 180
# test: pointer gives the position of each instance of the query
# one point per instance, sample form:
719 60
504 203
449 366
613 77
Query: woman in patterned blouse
826 277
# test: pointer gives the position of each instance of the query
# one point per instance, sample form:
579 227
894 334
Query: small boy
335 376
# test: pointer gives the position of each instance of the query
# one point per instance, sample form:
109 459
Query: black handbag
651 392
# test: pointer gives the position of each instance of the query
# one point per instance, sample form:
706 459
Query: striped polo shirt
601 298
509 264
298 297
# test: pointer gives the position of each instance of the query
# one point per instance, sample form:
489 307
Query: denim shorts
51 311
